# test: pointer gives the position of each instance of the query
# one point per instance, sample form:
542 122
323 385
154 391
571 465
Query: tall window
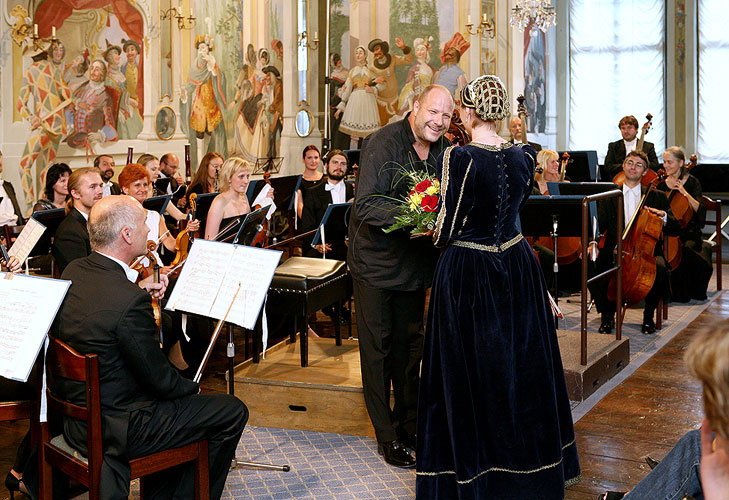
616 69
713 79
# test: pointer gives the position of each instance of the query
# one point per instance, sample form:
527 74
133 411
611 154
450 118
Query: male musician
72 236
635 167
10 213
169 168
105 165
515 130
146 406
618 150
383 69
391 271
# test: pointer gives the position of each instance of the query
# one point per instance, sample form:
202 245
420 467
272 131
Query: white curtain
616 69
713 81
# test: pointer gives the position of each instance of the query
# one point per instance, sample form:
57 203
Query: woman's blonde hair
232 166
707 359
544 156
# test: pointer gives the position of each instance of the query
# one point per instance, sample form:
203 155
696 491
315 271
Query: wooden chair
715 206
63 361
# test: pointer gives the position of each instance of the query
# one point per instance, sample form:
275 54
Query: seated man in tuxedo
169 168
146 406
515 130
105 165
318 198
71 240
10 213
635 166
618 150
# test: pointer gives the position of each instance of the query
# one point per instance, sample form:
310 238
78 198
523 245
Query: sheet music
27 239
28 305
210 278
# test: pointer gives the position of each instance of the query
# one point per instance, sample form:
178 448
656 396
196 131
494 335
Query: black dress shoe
407 440
611 495
652 462
607 325
648 327
396 454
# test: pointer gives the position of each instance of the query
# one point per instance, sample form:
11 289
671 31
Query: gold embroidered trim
511 471
443 189
491 147
489 248
460 197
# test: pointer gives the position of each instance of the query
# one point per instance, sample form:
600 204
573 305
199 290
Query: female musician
311 176
547 170
151 163
232 200
206 175
56 190
493 412
691 278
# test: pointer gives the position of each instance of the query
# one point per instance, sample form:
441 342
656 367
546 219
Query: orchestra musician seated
56 190
232 202
10 213
515 131
71 240
691 269
105 165
635 166
205 179
618 150
146 406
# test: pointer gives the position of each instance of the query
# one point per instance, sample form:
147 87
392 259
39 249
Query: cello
640 237
683 212
650 175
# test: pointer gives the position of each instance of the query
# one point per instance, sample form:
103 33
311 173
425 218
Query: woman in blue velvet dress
494 420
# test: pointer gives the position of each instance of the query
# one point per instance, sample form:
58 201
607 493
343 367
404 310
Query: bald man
515 129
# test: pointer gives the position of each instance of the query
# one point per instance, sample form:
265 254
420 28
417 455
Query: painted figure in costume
337 78
450 75
358 107
41 101
93 114
203 102
252 130
128 121
130 68
275 107
75 74
383 69
419 76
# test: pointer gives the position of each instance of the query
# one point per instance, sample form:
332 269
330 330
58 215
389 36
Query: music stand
271 164
202 205
51 219
555 216
162 184
157 203
333 225
251 226
582 166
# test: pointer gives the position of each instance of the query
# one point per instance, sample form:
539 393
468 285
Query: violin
640 237
261 238
683 212
650 175
151 270
184 239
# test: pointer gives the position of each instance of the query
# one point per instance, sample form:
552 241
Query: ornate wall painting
535 81
86 87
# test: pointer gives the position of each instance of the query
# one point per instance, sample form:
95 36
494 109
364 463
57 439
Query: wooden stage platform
327 395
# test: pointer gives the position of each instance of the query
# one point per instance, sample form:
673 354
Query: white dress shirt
631 198
106 189
338 191
7 211
630 145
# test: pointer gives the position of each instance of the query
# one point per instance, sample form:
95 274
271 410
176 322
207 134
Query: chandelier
539 13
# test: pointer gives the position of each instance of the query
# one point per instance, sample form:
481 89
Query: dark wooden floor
645 415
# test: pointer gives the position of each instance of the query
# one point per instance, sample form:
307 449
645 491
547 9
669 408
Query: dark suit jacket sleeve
68 246
659 200
11 194
115 189
375 178
613 161
139 348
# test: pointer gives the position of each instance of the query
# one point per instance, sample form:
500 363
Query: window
616 69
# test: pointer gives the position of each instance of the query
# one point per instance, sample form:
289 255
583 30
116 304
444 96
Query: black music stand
202 205
334 224
157 203
271 164
51 219
250 227
162 184
555 216
582 166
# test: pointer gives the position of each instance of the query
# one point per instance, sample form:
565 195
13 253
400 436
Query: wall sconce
183 23
22 32
486 26
304 42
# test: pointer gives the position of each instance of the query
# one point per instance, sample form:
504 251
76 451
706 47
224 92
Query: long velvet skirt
494 419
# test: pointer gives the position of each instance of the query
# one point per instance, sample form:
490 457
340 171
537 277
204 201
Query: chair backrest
62 361
11 232
715 206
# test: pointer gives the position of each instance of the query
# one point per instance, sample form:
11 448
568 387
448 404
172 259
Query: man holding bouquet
391 270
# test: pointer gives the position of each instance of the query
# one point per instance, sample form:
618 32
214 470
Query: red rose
429 202
422 186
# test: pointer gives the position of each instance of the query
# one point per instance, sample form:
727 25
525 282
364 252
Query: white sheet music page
253 268
28 305
201 277
27 239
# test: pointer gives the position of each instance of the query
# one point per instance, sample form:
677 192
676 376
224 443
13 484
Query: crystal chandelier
539 13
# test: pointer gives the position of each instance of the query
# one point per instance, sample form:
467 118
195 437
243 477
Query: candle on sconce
190 12
53 32
35 30
469 19
316 36
485 19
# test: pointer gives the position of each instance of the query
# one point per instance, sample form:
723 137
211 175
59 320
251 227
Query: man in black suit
105 165
392 271
635 167
146 406
71 240
515 130
10 213
618 150
318 198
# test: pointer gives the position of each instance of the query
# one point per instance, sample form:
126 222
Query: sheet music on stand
26 240
28 305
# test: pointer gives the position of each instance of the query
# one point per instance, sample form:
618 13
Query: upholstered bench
305 285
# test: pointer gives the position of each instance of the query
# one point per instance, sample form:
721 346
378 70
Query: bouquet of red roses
418 209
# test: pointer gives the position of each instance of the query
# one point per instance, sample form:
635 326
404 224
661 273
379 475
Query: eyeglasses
632 163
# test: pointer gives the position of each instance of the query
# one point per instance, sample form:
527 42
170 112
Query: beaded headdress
487 95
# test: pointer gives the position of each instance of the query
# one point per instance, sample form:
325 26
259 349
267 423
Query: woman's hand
193 225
